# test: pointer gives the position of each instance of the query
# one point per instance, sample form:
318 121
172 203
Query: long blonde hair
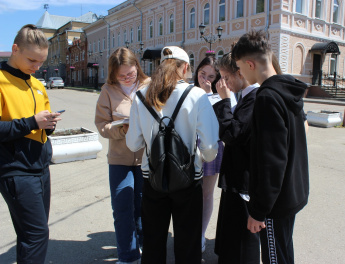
123 56
163 81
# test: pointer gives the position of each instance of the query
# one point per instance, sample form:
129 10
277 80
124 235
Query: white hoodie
195 118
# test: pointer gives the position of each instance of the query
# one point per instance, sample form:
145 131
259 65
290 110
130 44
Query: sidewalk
81 224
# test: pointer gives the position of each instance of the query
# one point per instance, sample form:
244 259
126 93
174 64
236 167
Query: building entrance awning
92 65
326 47
152 54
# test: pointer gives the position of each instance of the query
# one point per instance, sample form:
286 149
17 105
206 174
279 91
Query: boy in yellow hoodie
25 150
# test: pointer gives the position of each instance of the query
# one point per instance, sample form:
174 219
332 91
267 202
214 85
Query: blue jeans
126 191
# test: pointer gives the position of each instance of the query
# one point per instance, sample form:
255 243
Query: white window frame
220 54
139 33
171 24
192 60
192 18
332 64
256 7
206 10
335 5
316 9
237 8
221 5
160 26
151 29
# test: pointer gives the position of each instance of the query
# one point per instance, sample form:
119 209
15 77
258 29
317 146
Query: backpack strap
177 109
153 112
180 102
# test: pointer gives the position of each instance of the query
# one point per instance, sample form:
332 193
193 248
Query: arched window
118 39
260 6
104 43
207 14
239 8
191 61
160 26
131 35
171 23
335 11
192 18
99 45
221 14
113 40
124 36
151 29
220 54
94 47
139 33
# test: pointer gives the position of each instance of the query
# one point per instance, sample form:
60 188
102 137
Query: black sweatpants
234 242
185 207
28 200
276 241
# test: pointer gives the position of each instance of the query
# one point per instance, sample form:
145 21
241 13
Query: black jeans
28 200
234 242
276 241
185 207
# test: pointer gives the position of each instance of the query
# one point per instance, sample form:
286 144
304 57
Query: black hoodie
279 180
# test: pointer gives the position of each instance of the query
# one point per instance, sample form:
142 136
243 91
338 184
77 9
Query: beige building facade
296 29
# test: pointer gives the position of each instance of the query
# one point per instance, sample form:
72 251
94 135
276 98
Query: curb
81 89
324 101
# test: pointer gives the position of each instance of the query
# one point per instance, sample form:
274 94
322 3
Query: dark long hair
212 61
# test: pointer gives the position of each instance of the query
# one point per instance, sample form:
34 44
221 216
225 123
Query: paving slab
81 223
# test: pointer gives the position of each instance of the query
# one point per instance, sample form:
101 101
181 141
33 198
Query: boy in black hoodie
279 178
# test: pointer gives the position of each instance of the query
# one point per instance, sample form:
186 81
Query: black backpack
171 167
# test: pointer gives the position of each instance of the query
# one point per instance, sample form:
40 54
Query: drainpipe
267 17
108 26
183 24
141 22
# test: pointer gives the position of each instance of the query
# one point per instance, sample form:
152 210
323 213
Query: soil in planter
69 132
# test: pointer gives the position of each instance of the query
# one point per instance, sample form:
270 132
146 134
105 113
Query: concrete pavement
81 224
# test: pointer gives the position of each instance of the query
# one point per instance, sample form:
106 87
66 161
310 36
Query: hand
255 226
47 120
222 89
205 84
125 128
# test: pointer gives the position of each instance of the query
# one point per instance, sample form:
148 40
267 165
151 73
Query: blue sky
16 13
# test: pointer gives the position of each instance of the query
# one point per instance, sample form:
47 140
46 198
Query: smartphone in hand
60 111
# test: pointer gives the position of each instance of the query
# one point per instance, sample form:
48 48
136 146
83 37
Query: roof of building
49 21
4 54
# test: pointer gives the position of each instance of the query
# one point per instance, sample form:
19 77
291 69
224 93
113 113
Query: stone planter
323 118
74 144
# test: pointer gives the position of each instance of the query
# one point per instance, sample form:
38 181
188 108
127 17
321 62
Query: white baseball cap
177 53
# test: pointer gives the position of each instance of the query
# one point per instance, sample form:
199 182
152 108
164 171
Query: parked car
55 82
42 81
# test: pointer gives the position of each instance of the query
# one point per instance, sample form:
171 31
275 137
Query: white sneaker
133 262
203 244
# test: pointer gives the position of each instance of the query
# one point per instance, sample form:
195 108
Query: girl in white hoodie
195 118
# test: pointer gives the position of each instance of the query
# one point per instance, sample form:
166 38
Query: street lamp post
210 38
139 51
